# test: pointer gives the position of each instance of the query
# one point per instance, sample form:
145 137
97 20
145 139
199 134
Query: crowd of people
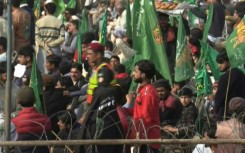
88 96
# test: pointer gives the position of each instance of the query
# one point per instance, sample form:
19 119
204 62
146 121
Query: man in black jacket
231 84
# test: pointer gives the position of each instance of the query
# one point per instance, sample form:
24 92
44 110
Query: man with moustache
145 113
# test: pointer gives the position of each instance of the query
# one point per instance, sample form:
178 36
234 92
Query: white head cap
74 17
49 1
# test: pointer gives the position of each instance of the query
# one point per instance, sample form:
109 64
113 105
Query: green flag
71 4
193 19
84 26
184 67
60 7
235 45
103 32
79 45
147 37
37 9
36 84
211 55
208 23
128 21
203 82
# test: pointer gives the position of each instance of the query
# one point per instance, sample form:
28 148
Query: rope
70 151
227 91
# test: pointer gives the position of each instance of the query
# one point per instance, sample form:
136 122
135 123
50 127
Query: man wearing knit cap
50 34
30 124
95 56
233 128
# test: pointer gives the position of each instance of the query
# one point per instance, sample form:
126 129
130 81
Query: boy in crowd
185 126
25 57
52 66
232 84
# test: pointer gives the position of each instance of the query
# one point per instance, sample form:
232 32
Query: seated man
30 125
170 106
184 128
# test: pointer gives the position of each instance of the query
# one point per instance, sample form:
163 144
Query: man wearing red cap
95 56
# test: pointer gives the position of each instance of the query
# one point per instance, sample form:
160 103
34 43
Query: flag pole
8 91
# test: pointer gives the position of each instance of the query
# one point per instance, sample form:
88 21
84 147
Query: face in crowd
185 100
75 74
162 93
138 75
223 66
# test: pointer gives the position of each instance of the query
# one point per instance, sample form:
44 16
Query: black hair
72 11
147 67
30 3
26 103
120 68
162 83
160 14
109 45
130 42
1 7
115 57
3 67
16 3
181 83
51 8
77 66
27 51
222 56
75 22
87 37
196 35
65 81
240 8
64 67
54 59
3 42
186 92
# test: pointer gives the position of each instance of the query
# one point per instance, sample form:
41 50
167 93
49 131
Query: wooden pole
124 142
8 89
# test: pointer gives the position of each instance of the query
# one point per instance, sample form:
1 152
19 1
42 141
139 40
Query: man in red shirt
146 106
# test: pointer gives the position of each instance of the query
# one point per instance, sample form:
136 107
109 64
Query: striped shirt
49 32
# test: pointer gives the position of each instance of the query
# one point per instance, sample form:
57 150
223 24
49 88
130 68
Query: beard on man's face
138 80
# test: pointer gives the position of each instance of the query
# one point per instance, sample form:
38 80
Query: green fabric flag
235 45
184 66
83 27
103 32
36 84
203 82
128 21
208 23
79 46
147 37
192 19
208 56
37 9
60 7
71 4
211 61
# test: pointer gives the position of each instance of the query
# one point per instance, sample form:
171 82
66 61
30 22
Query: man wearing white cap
50 34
